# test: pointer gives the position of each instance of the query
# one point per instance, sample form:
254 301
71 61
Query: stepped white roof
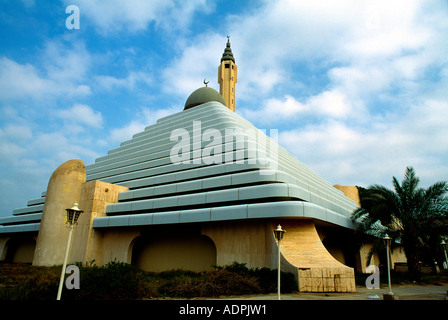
205 164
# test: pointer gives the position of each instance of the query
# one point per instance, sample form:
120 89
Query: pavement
402 292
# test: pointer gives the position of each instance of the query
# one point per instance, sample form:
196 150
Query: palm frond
411 181
410 215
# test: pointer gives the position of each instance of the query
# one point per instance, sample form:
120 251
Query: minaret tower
227 72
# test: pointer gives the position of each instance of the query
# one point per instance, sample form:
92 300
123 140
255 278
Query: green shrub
225 282
211 284
236 267
113 281
234 279
122 281
267 278
42 284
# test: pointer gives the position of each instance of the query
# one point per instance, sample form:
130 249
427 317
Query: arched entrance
20 250
185 251
339 243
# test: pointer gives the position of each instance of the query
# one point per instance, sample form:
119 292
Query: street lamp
443 244
388 241
73 214
279 233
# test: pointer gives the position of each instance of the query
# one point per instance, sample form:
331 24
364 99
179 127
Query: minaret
227 72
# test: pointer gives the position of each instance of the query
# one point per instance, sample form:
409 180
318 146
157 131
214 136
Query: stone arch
335 248
20 250
339 243
191 252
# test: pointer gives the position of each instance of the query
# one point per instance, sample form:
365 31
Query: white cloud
288 108
66 61
144 118
268 40
83 114
198 61
365 48
25 145
330 104
384 105
28 3
11 150
20 132
349 153
126 132
362 39
136 15
17 80
133 78
62 72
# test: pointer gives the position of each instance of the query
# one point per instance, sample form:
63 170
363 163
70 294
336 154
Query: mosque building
200 188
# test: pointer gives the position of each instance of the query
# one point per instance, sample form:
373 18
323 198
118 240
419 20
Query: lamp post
390 294
73 214
443 244
279 233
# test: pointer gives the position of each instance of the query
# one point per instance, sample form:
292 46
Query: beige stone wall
20 249
117 245
249 242
24 251
350 192
94 198
178 251
364 254
398 256
64 188
317 269
302 251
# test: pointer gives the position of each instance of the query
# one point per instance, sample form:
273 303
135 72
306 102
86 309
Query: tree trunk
413 260
414 268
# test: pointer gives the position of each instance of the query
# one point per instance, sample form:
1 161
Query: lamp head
279 233
387 239
73 214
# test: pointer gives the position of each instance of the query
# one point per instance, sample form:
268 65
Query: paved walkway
404 292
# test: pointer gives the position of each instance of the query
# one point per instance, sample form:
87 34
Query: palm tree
413 217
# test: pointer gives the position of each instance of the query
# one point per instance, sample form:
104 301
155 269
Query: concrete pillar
64 188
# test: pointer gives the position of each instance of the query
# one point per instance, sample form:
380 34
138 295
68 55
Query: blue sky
357 89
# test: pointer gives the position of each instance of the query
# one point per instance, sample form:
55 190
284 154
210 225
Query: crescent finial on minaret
206 82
